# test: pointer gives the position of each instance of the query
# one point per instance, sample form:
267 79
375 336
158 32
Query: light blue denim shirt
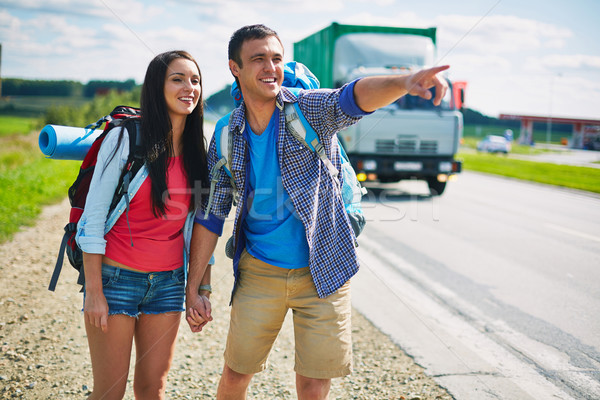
95 221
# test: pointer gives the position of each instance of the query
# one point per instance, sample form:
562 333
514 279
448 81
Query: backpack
296 77
125 117
351 189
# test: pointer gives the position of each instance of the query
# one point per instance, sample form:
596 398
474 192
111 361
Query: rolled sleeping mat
66 142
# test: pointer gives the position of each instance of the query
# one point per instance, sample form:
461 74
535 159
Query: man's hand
197 304
419 83
197 311
374 92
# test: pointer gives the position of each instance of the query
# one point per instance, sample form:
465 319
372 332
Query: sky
527 57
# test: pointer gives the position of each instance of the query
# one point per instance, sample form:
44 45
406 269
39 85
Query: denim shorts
133 293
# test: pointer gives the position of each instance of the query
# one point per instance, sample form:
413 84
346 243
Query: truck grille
385 146
403 146
428 146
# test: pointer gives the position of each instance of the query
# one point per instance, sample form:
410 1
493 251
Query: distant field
11 125
35 106
539 135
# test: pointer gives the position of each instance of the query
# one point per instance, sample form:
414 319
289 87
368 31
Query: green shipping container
317 50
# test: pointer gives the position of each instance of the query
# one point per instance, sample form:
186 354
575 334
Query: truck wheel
436 188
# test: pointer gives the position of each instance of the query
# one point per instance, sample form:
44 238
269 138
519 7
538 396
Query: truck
409 139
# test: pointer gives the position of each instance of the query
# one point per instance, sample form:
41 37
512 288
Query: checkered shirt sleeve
316 196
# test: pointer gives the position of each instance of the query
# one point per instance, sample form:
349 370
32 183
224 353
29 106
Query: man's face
261 73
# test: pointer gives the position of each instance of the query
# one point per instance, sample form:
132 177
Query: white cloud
131 12
62 33
557 43
378 3
238 14
559 63
403 18
469 64
533 64
9 27
65 7
498 34
571 61
262 9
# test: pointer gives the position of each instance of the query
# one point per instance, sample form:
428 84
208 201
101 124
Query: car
592 143
494 144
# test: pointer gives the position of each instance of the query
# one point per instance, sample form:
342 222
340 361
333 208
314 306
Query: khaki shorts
322 327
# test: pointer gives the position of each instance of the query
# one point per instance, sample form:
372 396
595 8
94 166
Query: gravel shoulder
44 352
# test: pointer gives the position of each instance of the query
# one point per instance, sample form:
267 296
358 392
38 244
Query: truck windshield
374 51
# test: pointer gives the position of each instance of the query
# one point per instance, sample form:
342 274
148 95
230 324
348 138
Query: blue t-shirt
274 232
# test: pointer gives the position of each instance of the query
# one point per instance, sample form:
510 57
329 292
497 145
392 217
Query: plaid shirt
315 196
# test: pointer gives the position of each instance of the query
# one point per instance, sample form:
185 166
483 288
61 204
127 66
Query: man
294 246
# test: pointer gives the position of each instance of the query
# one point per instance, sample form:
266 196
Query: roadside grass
574 177
11 125
28 181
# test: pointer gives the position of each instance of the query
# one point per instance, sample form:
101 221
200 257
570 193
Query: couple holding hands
291 250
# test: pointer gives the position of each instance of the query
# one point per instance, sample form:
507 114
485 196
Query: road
492 287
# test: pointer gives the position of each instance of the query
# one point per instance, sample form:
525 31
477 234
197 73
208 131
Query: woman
135 273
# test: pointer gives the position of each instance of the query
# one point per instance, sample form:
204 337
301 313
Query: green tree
93 88
90 112
25 87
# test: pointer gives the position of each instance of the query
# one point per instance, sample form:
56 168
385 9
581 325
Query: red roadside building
586 132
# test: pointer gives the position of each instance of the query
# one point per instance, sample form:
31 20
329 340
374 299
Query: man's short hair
248 32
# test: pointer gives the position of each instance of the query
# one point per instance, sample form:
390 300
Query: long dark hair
156 131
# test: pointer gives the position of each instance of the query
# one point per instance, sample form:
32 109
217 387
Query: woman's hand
197 311
95 309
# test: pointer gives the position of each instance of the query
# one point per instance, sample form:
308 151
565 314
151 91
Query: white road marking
573 232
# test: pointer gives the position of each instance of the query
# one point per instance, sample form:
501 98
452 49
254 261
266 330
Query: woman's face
182 87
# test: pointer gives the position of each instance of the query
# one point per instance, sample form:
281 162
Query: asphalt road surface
493 287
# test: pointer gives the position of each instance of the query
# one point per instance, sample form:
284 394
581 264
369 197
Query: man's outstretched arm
374 92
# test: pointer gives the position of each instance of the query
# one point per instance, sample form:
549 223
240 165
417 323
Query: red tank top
157 242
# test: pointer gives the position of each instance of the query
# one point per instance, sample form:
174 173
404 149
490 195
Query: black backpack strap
81 279
69 229
135 139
